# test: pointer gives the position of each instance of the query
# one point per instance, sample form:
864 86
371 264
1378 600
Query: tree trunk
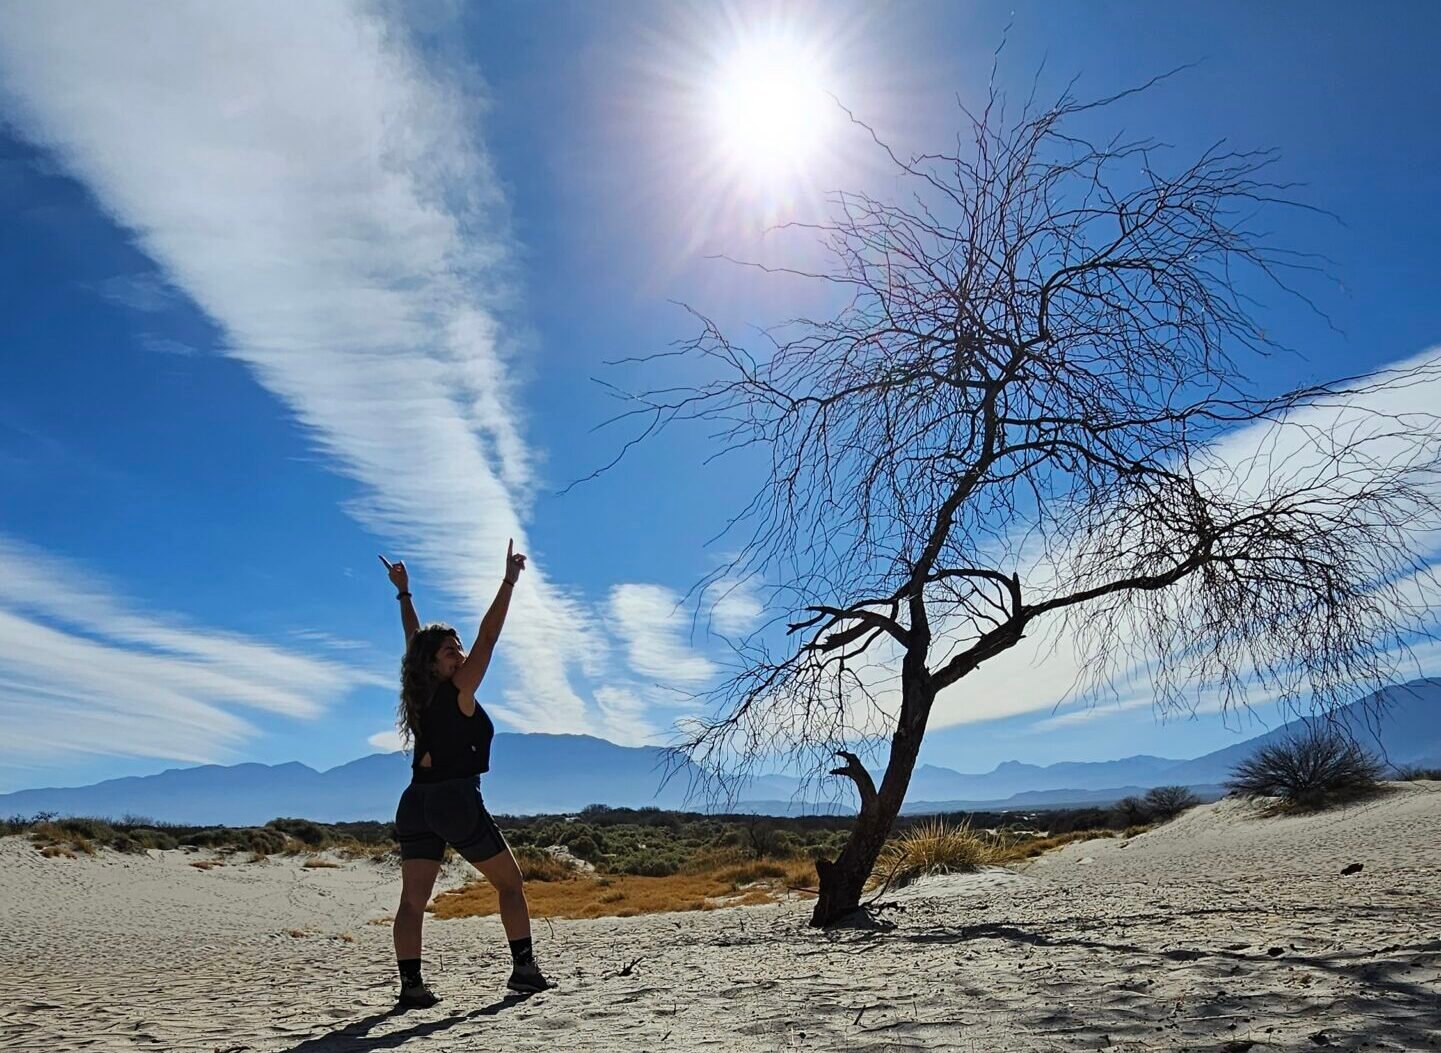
843 879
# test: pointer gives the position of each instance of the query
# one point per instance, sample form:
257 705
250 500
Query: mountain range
564 773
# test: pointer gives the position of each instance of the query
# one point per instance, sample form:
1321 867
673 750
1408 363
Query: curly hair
417 677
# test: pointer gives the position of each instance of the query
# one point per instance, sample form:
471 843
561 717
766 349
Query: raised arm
400 578
467 678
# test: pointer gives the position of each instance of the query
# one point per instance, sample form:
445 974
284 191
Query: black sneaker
528 979
417 996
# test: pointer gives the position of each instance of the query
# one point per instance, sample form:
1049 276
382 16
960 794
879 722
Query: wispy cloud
732 607
654 625
82 671
142 292
625 715
1041 671
320 193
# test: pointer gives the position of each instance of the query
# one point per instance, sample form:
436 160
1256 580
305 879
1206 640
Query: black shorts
434 814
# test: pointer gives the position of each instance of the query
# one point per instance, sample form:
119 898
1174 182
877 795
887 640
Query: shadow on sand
355 1037
1377 990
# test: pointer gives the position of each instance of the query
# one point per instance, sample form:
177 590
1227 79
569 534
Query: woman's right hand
399 576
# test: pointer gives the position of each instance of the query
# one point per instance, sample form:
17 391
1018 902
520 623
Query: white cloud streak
82 672
303 178
387 741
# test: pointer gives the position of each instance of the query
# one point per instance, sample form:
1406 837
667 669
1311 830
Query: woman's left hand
514 562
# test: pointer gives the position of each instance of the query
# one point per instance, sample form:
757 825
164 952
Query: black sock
521 952
410 971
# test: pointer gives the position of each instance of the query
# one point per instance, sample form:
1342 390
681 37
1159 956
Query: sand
1224 930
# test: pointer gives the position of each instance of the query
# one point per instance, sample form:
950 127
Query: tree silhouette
1015 422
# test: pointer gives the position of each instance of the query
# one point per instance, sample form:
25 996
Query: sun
770 110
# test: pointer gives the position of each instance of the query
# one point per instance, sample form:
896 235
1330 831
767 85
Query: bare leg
502 872
417 879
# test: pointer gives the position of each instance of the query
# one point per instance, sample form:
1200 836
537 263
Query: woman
451 737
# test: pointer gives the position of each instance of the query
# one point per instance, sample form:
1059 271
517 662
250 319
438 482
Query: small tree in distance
1010 426
1167 802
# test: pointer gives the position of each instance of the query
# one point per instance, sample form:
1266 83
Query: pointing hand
514 562
399 577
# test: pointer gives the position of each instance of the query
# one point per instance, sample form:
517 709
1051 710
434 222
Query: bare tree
1011 425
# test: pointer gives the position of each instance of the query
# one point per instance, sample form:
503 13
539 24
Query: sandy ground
1222 931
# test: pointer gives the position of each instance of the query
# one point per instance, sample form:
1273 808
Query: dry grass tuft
932 848
536 864
626 895
1029 848
345 937
317 863
206 864
371 852
68 842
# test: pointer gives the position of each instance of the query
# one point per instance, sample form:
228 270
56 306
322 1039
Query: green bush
586 847
644 866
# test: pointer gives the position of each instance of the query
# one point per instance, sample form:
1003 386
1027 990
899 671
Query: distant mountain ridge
563 773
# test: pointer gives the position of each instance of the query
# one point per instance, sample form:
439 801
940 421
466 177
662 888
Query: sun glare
771 112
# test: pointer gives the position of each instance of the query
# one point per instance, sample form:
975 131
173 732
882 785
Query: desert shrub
151 837
1071 820
1415 773
303 830
1167 802
648 866
258 839
90 829
764 840
1310 771
585 846
261 840
210 837
932 847
1133 811
536 864
64 836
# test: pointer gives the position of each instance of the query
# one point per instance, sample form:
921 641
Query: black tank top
459 746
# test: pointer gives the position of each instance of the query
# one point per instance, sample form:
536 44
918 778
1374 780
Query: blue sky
284 286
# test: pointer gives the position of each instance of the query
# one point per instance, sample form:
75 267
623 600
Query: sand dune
1225 930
